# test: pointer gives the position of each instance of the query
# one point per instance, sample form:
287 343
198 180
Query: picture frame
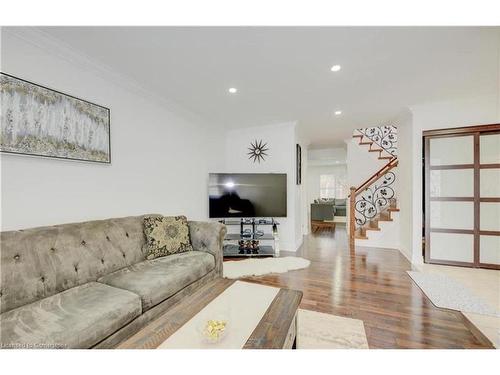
39 121
298 155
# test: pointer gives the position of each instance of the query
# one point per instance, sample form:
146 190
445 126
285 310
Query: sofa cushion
79 317
340 211
40 262
322 211
340 202
166 235
156 280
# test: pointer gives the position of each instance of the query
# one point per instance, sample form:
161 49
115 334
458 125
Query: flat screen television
247 195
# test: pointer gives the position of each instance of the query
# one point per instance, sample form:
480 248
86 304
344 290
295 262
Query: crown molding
53 46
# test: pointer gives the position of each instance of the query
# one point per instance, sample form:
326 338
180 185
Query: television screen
247 195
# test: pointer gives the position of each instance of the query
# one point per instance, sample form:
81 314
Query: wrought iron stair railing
374 199
371 198
385 137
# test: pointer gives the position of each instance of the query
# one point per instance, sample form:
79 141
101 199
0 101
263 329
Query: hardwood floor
372 286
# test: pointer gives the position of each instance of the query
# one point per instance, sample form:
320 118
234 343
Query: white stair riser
387 236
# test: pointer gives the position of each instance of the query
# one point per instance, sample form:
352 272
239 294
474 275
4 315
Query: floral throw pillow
166 235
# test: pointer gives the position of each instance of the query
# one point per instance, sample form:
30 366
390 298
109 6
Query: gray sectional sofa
88 285
327 209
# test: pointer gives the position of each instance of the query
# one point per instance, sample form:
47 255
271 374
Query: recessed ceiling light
336 68
338 113
233 90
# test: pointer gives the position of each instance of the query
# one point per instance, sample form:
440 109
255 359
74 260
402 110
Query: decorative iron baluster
385 137
374 199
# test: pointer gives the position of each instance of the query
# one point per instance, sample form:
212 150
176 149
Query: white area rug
324 331
448 293
263 266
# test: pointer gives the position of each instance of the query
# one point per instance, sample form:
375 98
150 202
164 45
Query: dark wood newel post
352 222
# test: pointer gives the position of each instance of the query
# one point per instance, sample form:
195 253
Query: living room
209 187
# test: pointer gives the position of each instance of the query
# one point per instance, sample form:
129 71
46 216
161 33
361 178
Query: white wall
301 227
304 209
160 160
361 164
404 123
281 140
328 156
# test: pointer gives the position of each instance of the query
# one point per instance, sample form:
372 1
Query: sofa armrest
209 237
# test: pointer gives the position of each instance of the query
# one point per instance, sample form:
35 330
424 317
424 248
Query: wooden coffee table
322 224
275 328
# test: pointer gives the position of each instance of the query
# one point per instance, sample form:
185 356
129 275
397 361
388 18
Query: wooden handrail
352 219
386 168
355 191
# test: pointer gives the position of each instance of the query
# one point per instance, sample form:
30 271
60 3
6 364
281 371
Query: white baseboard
413 263
289 246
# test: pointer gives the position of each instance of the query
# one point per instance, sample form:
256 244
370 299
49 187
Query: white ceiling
283 74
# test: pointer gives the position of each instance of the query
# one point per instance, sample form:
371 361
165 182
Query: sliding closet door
489 206
462 197
450 200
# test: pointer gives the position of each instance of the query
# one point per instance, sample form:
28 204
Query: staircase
373 147
374 202
361 233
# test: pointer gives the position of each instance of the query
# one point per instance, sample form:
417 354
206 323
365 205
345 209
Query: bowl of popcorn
214 330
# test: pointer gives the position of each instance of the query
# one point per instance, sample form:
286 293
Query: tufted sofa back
40 262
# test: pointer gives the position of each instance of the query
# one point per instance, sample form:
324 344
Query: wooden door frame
476 132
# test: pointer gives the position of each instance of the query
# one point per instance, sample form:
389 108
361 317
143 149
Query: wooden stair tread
393 209
385 157
365 143
357 135
385 219
374 229
375 150
359 237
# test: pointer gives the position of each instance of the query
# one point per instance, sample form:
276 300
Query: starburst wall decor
257 151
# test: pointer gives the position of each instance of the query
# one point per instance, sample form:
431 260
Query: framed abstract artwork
39 121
